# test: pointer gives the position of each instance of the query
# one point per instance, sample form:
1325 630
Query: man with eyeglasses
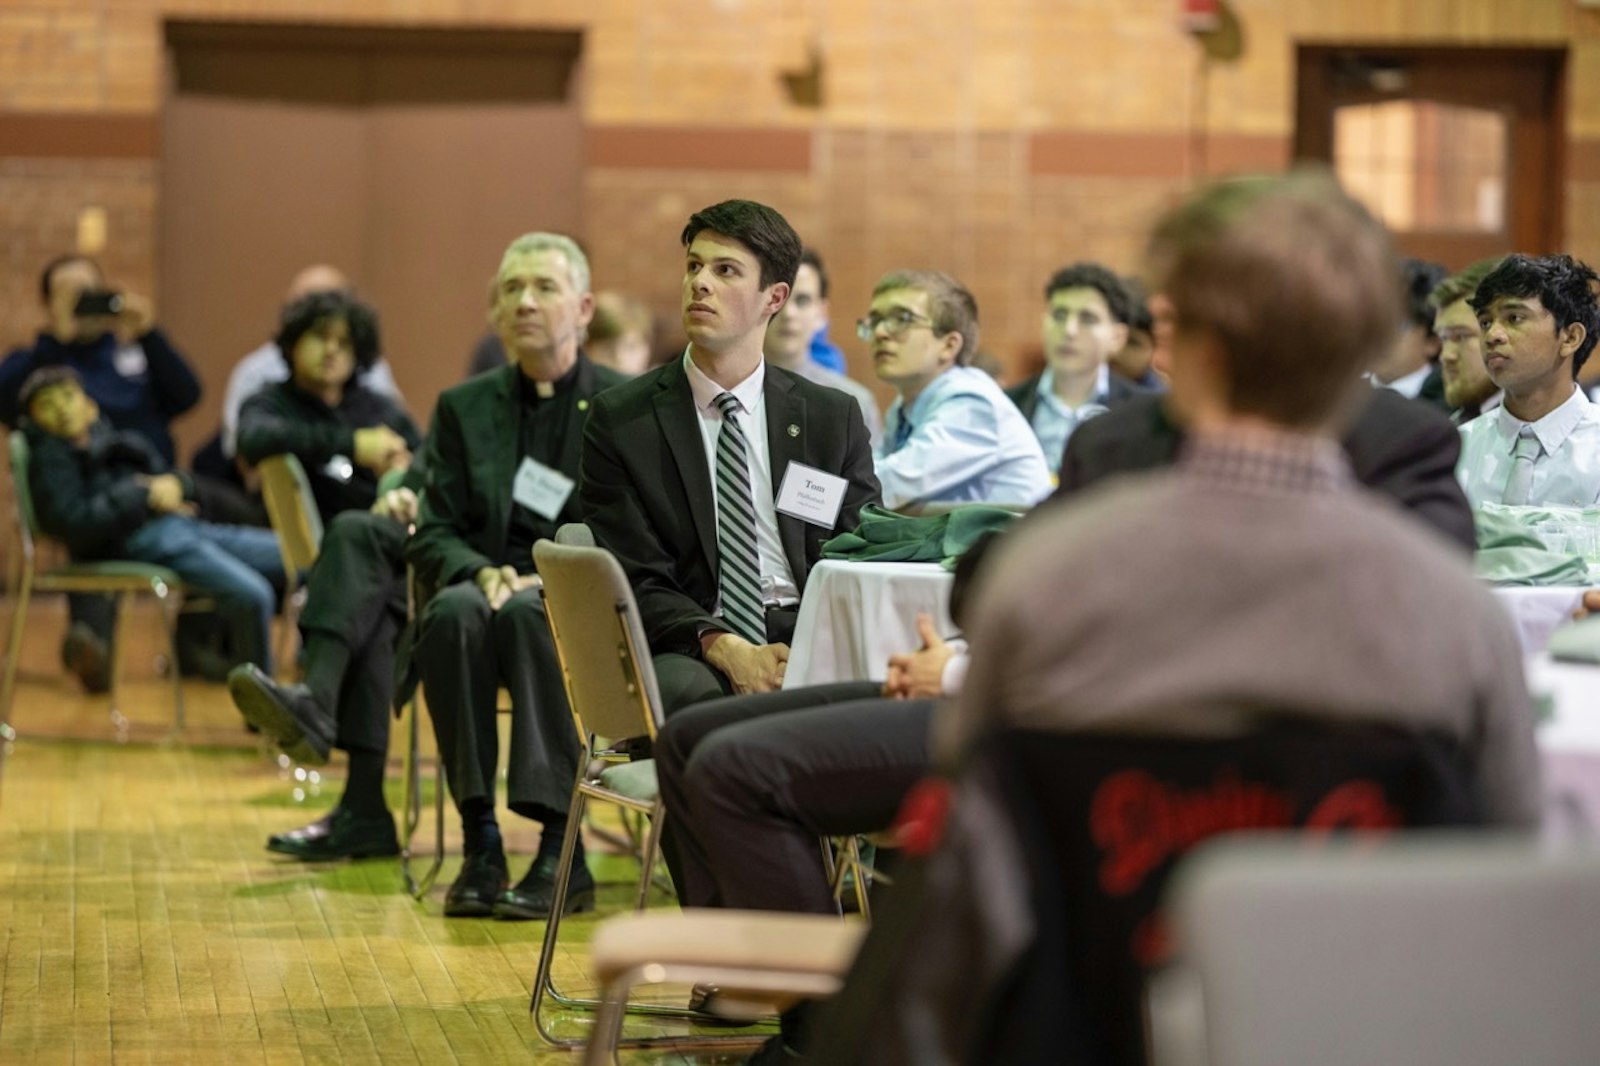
951 435
1087 314
1468 389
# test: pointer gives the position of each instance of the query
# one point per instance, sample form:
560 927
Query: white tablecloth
1538 611
1569 740
855 615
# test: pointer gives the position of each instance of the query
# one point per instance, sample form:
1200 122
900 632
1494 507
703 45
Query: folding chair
611 687
292 509
121 578
1435 952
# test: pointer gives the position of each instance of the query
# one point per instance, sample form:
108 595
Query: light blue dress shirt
1054 419
963 441
1566 474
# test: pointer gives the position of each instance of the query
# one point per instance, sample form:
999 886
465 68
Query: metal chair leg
169 615
118 648
19 616
411 803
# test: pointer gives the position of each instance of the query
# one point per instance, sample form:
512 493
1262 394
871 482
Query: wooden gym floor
141 919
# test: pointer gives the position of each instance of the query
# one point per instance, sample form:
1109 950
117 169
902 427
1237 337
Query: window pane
1423 166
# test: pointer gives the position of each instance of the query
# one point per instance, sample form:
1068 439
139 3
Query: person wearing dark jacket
344 434
109 494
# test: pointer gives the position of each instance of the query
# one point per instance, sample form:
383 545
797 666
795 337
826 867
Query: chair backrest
1079 832
599 637
1427 952
293 511
27 517
575 534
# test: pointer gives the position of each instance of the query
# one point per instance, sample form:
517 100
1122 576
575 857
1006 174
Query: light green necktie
1520 482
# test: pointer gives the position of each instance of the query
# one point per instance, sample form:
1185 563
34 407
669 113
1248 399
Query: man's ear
585 310
1119 336
1572 337
951 344
777 296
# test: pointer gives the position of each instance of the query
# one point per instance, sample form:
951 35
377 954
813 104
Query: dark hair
1418 279
1139 316
57 263
1566 287
301 316
953 307
1295 281
1092 276
810 258
1461 286
759 228
46 377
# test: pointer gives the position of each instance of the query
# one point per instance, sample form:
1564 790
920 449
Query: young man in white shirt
1540 319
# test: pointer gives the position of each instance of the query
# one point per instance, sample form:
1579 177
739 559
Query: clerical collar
533 392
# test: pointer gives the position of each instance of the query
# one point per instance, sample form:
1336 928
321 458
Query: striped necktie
736 530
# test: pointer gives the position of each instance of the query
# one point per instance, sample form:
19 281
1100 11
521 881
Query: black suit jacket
1401 448
646 489
473 452
1118 392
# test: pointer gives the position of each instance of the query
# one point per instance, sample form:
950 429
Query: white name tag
130 361
811 495
540 489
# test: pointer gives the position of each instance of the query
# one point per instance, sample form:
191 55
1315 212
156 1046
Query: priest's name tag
540 489
811 495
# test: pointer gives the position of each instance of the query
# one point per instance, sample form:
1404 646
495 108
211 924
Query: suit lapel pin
583 405
794 430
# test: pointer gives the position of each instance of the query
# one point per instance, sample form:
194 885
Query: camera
98 303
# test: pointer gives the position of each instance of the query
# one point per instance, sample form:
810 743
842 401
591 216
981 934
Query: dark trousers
356 594
685 680
464 653
751 782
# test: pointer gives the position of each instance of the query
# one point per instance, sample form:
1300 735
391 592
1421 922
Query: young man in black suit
716 478
501 465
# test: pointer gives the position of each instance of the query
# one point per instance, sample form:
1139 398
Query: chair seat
800 944
635 780
115 568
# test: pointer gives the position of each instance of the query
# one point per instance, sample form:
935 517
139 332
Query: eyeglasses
898 322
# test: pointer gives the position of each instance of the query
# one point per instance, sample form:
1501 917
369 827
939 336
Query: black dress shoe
482 879
86 655
288 714
531 897
343 834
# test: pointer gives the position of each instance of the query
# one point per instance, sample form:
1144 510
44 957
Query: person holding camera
137 380
128 367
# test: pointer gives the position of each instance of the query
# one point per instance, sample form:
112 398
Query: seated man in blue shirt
950 436
1540 319
1086 318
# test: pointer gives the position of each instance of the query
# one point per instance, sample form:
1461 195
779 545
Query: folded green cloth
1511 551
886 537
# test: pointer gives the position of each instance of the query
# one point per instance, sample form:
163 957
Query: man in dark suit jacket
501 467
1086 322
717 608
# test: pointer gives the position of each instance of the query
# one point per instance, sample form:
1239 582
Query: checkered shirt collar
1265 460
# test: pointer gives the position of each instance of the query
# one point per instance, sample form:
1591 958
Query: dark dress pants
356 594
751 782
464 653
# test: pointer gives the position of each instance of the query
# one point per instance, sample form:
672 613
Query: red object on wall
1201 16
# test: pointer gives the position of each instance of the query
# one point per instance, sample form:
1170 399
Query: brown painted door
408 160
1458 149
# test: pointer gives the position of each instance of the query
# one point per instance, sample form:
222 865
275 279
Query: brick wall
992 138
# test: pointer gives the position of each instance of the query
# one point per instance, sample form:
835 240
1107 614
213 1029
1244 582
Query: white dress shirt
1565 474
777 580
1410 385
1054 419
963 441
266 366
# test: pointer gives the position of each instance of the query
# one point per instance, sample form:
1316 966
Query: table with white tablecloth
855 615
1538 610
